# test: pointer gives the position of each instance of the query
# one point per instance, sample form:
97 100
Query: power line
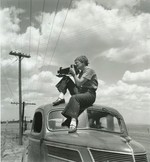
85 30
60 32
51 31
30 23
61 28
30 26
84 33
39 40
39 30
6 79
19 16
7 83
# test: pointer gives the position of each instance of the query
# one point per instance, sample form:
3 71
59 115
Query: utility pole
20 55
24 104
22 116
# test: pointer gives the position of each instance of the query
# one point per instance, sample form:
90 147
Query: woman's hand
78 81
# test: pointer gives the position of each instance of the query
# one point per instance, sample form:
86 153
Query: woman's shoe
66 122
73 126
58 101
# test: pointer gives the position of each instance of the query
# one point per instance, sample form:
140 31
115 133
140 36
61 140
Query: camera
65 71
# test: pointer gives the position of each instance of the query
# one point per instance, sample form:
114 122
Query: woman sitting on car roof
83 92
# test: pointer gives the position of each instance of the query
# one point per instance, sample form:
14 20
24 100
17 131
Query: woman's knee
75 98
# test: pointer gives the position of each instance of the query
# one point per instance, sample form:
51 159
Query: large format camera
65 71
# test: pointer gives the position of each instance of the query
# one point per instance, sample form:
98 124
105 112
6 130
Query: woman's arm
78 81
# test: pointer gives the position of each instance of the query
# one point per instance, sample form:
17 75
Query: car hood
97 140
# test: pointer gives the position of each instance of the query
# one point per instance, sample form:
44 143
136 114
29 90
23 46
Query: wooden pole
22 115
23 107
20 104
20 55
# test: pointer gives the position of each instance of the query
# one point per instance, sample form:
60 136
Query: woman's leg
64 84
77 104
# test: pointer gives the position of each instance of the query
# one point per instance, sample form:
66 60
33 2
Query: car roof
49 107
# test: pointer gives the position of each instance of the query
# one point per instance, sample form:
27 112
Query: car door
35 138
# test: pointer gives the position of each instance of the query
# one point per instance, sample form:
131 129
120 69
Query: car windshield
89 119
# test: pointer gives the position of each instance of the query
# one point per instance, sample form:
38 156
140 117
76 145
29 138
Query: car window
55 118
88 119
37 122
103 121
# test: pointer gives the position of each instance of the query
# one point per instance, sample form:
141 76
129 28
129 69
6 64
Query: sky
113 34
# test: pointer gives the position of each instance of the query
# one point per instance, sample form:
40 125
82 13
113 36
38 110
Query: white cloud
133 47
117 37
9 20
126 98
41 82
124 94
136 77
41 88
118 3
9 23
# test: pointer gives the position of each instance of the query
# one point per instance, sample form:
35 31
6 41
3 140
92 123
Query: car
101 136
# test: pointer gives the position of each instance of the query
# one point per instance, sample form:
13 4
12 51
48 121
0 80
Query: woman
83 92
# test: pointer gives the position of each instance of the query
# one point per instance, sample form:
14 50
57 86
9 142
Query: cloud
118 3
133 47
116 36
42 82
113 30
137 77
9 22
124 94
129 99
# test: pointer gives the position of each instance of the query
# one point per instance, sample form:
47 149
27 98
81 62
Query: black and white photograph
75 80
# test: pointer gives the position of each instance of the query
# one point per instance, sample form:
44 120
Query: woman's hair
82 59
